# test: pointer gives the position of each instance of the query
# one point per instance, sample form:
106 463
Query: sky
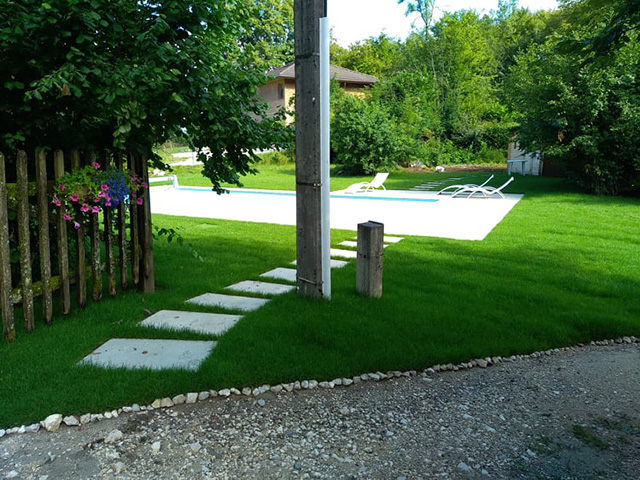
354 20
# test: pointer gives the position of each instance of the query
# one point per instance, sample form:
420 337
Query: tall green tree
94 74
585 113
374 56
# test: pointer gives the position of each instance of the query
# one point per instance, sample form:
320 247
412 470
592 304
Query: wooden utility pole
307 14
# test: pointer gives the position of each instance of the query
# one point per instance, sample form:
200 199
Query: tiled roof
337 73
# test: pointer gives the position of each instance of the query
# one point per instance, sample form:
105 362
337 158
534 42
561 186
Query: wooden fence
118 240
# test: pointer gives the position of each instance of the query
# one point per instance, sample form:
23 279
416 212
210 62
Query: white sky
354 20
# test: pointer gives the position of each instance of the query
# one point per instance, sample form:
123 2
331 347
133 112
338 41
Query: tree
374 56
422 7
584 113
94 74
269 35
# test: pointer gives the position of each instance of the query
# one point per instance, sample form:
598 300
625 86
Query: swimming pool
401 212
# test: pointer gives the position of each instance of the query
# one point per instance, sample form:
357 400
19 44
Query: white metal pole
324 155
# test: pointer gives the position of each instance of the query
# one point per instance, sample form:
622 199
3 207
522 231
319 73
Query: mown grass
561 268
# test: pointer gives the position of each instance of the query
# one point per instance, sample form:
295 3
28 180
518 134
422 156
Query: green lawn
561 268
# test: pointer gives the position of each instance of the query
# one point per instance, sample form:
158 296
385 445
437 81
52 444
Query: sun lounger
452 189
377 182
482 192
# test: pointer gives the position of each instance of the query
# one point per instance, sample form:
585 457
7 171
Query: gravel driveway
571 414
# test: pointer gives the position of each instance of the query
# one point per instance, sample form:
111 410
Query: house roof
337 73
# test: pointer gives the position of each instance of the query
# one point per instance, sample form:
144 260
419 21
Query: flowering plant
91 189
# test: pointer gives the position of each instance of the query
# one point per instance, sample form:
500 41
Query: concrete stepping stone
210 323
229 302
392 239
147 353
261 288
349 243
334 263
288 274
336 252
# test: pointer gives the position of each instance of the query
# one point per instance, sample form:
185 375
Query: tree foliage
94 74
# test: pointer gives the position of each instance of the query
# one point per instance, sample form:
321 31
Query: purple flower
62 186
56 200
84 207
95 209
95 165
104 187
139 201
76 225
67 217
145 185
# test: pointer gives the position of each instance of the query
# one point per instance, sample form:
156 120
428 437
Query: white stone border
53 422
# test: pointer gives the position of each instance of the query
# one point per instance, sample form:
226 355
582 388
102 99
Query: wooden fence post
109 241
43 234
135 235
8 324
26 279
63 247
81 269
146 235
122 233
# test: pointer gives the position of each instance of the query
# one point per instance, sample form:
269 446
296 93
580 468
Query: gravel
570 414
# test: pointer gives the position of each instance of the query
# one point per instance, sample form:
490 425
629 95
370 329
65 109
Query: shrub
363 139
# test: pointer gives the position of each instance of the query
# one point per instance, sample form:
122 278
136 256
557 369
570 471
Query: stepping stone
288 274
261 288
349 243
230 302
393 239
336 252
210 323
146 353
334 263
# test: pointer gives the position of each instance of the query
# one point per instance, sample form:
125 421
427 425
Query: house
279 91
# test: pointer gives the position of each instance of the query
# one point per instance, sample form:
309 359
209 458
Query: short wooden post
8 325
43 233
63 250
26 277
369 263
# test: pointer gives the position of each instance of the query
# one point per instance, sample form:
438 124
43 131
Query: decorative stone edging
53 422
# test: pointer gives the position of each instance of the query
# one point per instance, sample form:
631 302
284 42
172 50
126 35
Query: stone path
249 295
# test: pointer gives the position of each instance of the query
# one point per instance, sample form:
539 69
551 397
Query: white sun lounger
482 192
452 189
377 182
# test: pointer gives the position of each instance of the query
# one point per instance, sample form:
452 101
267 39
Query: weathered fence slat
8 325
135 231
122 235
26 278
63 247
43 234
146 237
81 269
96 266
110 260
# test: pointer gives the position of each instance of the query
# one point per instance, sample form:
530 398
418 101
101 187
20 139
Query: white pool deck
402 212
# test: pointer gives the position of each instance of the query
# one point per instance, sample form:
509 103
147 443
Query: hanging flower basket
92 189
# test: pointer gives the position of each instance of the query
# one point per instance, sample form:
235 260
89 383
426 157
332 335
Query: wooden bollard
369 263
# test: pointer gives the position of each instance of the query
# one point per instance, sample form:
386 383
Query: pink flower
67 217
56 200
101 194
107 203
145 185
104 187
95 165
76 225
134 179
62 186
74 197
95 209
133 195
84 207
139 201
